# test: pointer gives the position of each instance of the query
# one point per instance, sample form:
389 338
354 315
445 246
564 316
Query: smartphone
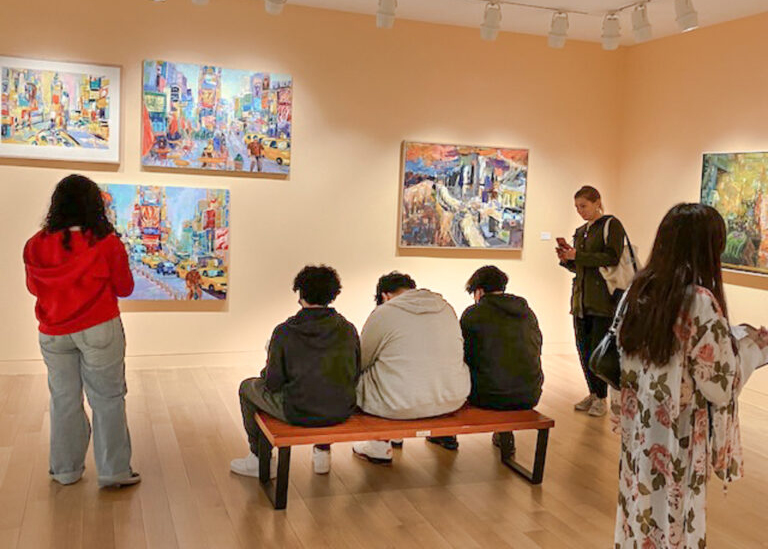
561 243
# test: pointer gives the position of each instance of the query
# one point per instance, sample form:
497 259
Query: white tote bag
619 277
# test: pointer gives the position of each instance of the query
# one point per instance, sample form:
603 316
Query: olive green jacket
590 293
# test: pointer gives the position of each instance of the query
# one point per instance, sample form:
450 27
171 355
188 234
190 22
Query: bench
361 426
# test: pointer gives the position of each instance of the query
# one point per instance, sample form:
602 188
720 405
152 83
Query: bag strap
626 237
621 310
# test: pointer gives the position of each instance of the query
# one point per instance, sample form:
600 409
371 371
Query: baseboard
253 359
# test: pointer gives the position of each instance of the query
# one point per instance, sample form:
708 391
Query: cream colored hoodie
412 358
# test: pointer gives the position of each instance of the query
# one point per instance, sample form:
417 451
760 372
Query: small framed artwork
736 185
53 110
462 196
205 117
177 240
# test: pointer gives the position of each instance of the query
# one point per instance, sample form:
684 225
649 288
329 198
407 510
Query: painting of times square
177 239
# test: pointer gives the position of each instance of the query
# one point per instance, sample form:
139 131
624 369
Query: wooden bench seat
361 426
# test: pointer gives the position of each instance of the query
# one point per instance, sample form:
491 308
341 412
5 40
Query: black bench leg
277 489
535 477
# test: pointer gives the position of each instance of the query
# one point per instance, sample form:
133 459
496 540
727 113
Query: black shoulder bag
605 362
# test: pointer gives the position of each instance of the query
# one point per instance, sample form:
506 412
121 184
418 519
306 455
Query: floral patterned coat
678 423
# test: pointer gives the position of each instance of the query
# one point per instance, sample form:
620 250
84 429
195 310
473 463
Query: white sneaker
585 404
321 461
375 451
598 408
249 466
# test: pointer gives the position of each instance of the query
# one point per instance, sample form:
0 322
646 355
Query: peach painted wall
358 93
682 96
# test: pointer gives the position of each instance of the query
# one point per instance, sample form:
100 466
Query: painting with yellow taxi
457 196
204 117
59 111
736 185
177 239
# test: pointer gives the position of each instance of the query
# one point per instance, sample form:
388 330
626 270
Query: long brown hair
686 252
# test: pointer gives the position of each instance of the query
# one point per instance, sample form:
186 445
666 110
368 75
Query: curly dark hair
317 285
488 279
392 282
77 202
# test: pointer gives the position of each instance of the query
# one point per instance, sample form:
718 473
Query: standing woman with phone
595 245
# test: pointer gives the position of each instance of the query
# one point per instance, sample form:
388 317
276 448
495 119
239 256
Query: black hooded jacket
502 347
314 360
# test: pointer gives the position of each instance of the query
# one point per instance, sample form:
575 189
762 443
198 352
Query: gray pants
254 396
93 359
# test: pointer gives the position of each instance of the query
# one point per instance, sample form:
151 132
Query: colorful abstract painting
456 196
736 185
177 239
59 111
208 118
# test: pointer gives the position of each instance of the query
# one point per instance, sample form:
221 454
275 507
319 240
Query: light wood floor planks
186 427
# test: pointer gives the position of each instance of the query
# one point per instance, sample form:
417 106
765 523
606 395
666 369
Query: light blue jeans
93 359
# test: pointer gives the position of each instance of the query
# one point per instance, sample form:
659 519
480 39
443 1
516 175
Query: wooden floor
186 427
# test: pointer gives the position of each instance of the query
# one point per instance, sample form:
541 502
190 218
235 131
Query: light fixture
611 32
559 30
385 16
195 2
687 18
489 30
274 7
641 26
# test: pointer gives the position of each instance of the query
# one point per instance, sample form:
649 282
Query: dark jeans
255 396
590 330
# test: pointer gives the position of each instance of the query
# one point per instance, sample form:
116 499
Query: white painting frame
109 155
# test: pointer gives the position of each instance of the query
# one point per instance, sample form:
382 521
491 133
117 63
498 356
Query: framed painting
460 196
59 111
736 185
177 239
203 117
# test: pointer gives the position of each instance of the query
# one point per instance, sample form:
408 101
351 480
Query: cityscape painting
177 239
205 117
59 111
736 185
456 196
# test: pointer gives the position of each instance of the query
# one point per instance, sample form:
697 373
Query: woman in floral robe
677 409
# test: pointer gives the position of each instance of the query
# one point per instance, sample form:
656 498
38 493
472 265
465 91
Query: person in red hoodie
77 267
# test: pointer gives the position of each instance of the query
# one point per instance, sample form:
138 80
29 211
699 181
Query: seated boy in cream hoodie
412 359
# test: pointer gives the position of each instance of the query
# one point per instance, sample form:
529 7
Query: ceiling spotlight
559 30
274 7
687 18
489 30
385 16
195 2
611 32
640 24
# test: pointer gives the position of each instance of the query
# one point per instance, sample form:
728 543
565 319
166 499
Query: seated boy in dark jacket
502 345
313 364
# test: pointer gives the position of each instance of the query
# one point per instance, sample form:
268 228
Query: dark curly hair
488 279
77 202
392 282
317 285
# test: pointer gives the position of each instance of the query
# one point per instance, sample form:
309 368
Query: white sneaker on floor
249 466
375 451
321 461
585 404
598 408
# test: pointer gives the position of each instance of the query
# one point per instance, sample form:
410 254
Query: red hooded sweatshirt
78 288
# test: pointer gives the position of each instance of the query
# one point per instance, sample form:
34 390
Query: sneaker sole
375 461
123 483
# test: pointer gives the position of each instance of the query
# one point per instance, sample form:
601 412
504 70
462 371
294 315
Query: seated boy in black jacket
502 347
313 364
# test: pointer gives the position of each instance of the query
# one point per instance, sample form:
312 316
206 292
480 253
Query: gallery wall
684 95
358 93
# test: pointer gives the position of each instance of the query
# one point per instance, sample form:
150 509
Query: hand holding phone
561 243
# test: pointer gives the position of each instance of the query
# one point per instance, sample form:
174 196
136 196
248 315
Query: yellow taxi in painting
184 267
151 261
214 280
278 150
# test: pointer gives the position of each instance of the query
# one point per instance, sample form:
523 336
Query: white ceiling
469 13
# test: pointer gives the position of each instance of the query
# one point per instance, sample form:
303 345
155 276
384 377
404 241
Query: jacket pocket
100 336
